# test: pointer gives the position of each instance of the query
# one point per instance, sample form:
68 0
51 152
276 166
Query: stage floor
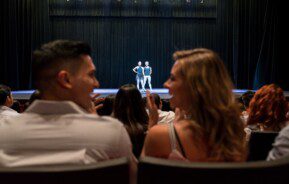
25 94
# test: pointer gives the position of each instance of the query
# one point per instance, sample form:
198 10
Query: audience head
200 86
107 107
64 70
268 108
34 96
246 98
130 109
16 106
157 100
6 98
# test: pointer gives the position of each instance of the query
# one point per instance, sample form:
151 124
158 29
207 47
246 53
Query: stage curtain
244 33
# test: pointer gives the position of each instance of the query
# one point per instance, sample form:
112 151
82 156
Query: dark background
246 34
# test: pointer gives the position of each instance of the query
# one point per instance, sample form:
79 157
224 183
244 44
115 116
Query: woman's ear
64 79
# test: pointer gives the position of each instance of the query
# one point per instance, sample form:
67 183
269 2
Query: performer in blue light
139 70
147 74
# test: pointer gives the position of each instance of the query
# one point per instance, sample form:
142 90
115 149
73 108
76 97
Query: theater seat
157 171
260 144
112 171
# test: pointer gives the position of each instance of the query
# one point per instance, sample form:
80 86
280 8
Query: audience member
281 146
164 116
36 95
130 110
107 107
267 110
16 106
245 100
6 101
207 125
166 105
59 129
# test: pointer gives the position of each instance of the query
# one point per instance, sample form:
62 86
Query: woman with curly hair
267 109
207 125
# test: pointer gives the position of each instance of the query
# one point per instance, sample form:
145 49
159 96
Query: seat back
112 171
260 144
156 171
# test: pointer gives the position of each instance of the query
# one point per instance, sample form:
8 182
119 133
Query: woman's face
178 89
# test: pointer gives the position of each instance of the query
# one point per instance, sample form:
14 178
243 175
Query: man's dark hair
157 99
5 91
55 56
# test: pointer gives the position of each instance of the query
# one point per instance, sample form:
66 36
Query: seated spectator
281 145
166 105
6 101
245 100
34 96
16 106
207 126
267 110
130 110
164 116
59 129
107 107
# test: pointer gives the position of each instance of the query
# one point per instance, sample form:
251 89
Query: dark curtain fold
258 59
24 26
245 34
16 28
268 61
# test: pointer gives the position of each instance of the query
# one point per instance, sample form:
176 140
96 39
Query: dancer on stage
139 70
147 74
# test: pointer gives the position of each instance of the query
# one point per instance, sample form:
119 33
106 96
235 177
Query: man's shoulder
94 118
74 118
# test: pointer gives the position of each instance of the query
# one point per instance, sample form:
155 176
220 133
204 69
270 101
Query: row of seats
154 171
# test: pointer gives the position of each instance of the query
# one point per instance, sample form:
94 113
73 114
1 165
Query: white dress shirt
57 133
166 116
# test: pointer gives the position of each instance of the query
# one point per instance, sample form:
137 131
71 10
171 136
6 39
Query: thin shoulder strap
173 138
179 142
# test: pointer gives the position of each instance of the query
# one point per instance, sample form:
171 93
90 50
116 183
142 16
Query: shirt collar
55 107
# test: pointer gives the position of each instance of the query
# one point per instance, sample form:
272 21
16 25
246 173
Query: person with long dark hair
129 108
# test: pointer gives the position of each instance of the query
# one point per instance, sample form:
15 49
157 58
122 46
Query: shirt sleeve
280 146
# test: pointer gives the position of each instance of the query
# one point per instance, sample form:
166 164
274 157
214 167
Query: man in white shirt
164 116
59 129
281 145
6 101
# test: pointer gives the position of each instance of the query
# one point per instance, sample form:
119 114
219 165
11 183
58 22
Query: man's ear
64 79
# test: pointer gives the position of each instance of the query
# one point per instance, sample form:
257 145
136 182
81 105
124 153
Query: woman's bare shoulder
157 141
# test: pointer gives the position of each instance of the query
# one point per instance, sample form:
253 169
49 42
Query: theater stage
25 94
